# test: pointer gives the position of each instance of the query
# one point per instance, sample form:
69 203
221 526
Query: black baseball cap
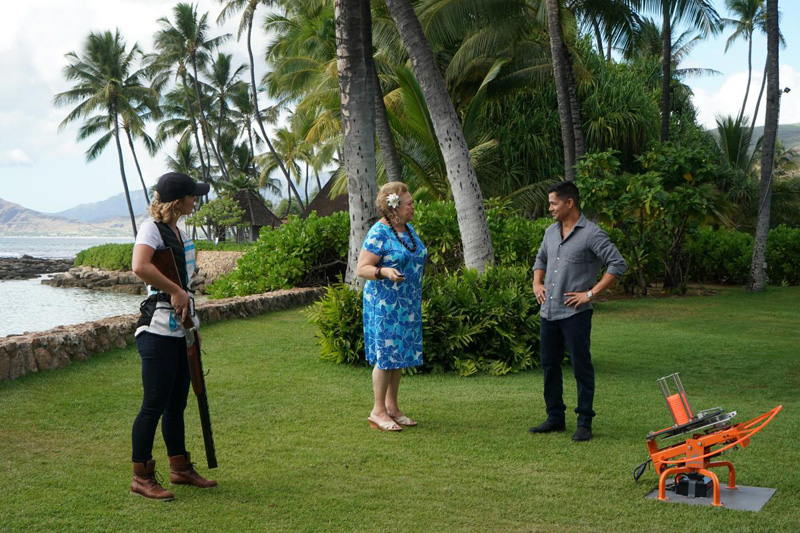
174 185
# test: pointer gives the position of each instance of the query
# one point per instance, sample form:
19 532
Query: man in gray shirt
565 283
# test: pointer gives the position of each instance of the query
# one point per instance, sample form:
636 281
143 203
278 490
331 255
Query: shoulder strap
176 244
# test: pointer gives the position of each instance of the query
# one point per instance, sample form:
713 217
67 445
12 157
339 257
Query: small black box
695 486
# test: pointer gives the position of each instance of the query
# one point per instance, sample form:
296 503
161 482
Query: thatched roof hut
324 205
256 214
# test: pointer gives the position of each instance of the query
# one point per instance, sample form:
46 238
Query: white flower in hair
393 200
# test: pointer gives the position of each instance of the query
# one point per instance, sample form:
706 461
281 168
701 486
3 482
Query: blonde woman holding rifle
160 339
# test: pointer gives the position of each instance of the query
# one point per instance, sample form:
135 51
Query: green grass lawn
296 454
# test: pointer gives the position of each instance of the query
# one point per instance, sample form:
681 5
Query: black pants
165 378
574 333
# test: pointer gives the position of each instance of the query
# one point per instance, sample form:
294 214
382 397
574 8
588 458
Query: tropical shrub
723 256
720 256
471 323
106 256
301 252
783 251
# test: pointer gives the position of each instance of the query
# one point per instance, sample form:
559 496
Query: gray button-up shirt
572 265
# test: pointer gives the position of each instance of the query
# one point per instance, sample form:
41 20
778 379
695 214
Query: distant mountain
113 207
788 134
16 220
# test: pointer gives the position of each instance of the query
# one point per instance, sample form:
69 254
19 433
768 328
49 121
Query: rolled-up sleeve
541 256
605 250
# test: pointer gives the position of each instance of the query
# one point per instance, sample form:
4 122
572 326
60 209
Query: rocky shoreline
27 267
97 279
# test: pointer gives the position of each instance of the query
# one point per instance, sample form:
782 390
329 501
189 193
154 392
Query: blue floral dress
393 311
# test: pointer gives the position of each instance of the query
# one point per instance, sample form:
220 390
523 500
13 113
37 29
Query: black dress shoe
582 434
548 426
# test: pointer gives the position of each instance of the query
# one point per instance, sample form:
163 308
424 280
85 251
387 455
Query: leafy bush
471 323
720 256
106 256
302 251
223 246
724 256
783 251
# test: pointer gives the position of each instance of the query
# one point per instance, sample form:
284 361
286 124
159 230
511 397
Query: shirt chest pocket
574 254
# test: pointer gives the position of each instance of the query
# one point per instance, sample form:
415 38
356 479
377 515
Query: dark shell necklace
413 247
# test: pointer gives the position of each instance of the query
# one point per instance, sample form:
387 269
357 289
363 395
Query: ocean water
52 247
31 306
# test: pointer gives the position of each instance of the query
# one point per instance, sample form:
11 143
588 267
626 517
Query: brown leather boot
145 483
182 472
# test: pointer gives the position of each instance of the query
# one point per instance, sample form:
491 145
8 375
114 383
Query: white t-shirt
164 321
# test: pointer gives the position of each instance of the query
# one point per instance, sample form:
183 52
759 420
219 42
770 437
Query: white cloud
15 157
727 100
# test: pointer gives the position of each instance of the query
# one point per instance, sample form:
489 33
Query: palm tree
611 21
107 85
133 124
702 16
224 84
749 12
477 242
758 273
569 115
185 160
358 125
292 150
246 24
186 43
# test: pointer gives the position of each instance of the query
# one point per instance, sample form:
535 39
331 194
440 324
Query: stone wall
55 348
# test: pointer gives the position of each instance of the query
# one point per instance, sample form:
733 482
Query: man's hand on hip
576 299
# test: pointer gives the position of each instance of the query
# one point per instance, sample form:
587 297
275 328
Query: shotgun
164 261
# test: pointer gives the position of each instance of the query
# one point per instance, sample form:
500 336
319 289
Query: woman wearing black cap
160 338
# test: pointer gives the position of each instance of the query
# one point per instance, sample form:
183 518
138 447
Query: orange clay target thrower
689 447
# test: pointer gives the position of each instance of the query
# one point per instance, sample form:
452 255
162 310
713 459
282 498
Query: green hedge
118 256
724 256
106 256
471 323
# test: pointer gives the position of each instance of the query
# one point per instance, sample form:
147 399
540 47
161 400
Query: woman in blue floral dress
392 261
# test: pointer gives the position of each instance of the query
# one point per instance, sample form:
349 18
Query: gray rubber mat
743 498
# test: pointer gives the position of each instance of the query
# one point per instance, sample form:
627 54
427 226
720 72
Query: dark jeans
574 333
165 378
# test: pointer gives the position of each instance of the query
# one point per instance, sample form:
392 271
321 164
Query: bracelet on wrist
378 274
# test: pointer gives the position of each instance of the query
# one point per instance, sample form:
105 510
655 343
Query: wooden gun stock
164 261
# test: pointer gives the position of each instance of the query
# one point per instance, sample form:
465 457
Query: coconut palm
224 82
246 24
107 84
758 276
133 125
702 16
477 243
611 21
749 13
186 44
358 125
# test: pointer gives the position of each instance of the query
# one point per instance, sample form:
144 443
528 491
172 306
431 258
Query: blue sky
44 169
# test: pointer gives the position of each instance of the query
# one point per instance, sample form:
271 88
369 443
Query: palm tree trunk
306 183
138 168
562 91
204 122
358 126
477 243
758 266
115 118
666 63
749 75
575 112
758 101
391 161
598 37
251 14
203 166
